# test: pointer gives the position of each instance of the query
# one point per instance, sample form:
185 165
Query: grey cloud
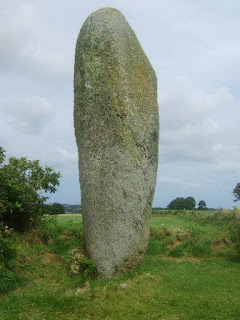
197 126
28 115
185 105
167 179
59 158
30 46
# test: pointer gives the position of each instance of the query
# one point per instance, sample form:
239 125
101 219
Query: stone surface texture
117 129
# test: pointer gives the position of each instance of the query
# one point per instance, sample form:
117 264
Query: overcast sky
194 47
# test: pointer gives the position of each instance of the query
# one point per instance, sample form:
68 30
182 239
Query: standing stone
117 129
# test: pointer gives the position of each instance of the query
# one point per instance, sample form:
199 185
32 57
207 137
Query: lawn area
188 273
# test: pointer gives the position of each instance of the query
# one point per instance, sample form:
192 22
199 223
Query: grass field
190 271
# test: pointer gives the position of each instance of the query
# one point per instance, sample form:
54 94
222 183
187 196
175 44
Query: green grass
70 219
195 283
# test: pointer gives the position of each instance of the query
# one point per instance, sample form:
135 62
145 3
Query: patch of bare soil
179 238
50 258
32 236
222 243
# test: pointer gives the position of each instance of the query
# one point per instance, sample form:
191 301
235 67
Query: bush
22 183
7 251
8 260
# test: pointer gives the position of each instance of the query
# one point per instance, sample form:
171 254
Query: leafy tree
236 192
190 203
72 208
22 186
182 203
54 208
202 205
177 204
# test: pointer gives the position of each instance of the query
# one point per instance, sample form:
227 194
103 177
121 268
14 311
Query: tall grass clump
235 230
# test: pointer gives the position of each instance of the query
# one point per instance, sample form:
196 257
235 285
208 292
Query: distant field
69 215
190 271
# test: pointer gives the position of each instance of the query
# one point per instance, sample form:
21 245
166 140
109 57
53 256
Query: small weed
80 265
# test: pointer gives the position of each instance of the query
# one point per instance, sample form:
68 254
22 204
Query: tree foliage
54 208
182 203
177 204
236 192
23 184
202 205
190 203
72 208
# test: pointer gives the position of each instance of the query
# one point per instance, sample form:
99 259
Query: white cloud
183 105
198 126
30 45
27 115
167 179
59 158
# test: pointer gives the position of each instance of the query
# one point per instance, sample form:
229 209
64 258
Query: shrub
22 183
8 260
7 251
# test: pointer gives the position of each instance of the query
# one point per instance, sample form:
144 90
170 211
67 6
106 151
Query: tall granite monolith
117 128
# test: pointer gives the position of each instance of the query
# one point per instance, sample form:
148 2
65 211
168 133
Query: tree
54 208
23 183
236 192
190 203
72 208
202 205
182 203
177 204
